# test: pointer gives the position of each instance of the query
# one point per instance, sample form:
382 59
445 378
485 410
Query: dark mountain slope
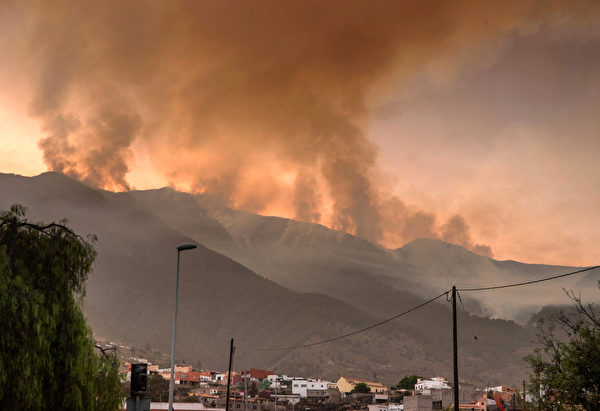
312 258
130 293
301 256
309 257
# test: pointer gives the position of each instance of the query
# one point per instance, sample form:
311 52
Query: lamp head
187 246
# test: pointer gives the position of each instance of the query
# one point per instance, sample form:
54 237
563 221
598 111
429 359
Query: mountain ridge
272 282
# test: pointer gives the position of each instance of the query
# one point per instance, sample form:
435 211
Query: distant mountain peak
436 245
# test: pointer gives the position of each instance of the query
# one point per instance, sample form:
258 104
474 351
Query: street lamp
180 248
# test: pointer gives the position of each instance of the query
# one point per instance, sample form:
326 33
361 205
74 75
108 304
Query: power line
467 316
377 324
529 282
445 293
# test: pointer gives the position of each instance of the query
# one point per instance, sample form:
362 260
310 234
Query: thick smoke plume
262 103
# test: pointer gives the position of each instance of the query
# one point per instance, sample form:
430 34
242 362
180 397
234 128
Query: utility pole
455 349
245 381
229 375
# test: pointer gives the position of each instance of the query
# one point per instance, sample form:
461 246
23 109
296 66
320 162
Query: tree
265 385
157 387
407 383
566 368
361 388
47 355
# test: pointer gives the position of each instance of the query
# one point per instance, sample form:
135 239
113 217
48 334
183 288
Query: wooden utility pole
455 348
229 376
245 380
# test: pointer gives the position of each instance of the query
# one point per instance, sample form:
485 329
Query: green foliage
361 388
566 369
157 387
47 355
407 383
265 385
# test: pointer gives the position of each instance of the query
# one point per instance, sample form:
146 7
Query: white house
425 386
277 381
310 388
278 377
220 377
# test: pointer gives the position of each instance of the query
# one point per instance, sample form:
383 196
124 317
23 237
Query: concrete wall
418 403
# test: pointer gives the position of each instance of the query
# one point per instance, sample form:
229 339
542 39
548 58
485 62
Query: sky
472 122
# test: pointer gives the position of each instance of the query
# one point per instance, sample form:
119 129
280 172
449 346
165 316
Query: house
183 368
333 394
217 391
235 378
480 404
347 384
190 378
187 378
220 377
425 386
206 376
277 377
309 388
256 374
443 397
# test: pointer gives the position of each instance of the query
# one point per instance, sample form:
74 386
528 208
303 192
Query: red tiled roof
260 374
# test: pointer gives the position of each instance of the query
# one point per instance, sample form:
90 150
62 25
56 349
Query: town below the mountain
258 389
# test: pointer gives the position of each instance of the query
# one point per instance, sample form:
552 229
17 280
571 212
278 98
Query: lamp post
180 248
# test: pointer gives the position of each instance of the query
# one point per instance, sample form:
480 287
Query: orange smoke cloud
231 96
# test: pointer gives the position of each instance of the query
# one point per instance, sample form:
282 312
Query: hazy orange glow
471 122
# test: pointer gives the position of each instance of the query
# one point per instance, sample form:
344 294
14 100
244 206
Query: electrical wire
377 324
445 293
467 317
497 287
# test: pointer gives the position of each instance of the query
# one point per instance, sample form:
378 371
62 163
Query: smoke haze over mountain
264 104
274 282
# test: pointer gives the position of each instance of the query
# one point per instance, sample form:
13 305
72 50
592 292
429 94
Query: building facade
308 388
